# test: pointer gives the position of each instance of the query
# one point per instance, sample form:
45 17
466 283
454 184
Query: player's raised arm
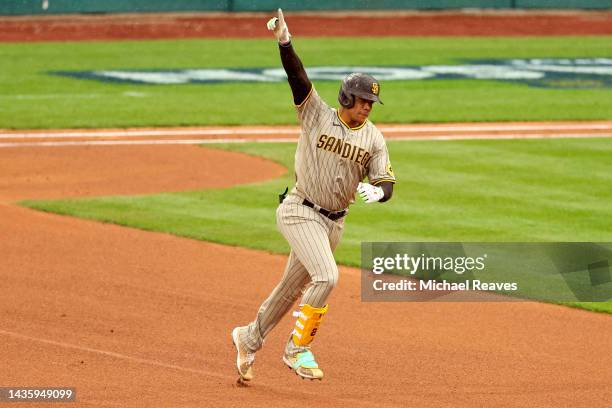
296 74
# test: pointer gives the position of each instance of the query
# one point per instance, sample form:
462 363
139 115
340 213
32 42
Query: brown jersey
332 158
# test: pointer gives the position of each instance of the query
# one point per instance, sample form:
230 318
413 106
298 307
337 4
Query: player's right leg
308 233
250 338
278 303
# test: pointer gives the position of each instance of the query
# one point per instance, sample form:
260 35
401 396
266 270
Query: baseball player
336 150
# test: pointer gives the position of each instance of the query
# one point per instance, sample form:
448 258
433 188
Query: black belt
331 215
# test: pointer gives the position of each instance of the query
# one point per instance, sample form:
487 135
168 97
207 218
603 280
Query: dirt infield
133 318
81 171
159 26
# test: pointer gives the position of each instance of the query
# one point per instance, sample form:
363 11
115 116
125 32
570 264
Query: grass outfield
484 190
31 98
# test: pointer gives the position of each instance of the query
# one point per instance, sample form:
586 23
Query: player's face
361 110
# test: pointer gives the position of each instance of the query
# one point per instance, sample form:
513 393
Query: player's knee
327 281
332 281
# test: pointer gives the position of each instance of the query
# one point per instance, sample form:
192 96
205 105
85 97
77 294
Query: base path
271 134
327 24
133 318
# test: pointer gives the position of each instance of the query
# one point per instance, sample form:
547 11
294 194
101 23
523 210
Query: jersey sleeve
380 166
310 109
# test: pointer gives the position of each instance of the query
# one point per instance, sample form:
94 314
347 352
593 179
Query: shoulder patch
390 170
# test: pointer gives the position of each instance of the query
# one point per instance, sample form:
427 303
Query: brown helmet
358 84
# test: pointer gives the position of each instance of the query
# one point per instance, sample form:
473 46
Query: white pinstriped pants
311 268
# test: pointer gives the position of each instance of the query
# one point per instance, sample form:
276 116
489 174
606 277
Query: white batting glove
281 31
370 193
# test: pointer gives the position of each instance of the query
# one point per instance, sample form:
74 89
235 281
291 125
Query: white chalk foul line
295 131
115 355
133 94
146 142
149 133
293 140
498 136
49 96
496 127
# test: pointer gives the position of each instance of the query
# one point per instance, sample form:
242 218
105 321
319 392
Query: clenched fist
370 193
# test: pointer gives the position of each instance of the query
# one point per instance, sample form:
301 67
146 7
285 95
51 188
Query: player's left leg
324 276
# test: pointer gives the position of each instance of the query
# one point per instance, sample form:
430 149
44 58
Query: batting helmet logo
375 88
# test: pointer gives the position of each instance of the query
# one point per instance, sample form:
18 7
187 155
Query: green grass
485 190
31 98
